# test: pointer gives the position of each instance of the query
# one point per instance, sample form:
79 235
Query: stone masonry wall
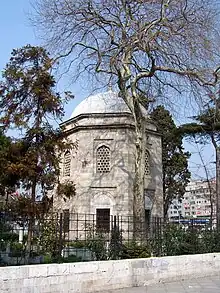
89 277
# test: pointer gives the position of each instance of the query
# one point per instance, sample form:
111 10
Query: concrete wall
107 275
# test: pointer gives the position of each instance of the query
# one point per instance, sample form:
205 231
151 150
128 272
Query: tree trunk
165 208
217 165
131 99
138 199
138 189
38 122
207 178
30 224
218 187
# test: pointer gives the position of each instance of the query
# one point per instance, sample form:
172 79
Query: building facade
197 202
103 166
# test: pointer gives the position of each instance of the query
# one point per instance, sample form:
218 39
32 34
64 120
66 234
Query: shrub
17 250
115 247
59 259
78 244
135 250
97 245
48 237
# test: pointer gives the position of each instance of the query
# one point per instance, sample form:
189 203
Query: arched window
67 163
147 163
103 159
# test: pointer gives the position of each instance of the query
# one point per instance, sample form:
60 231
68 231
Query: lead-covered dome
103 103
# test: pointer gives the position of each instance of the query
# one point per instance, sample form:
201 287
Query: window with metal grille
103 159
103 220
67 163
147 163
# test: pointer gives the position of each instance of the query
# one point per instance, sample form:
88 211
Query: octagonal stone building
103 165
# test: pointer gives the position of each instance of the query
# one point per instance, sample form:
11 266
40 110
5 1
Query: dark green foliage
175 161
178 240
17 250
97 245
59 259
6 232
116 243
8 180
192 239
48 239
207 125
27 89
135 250
28 102
210 241
78 244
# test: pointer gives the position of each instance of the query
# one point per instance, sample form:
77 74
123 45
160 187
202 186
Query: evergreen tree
205 130
7 181
28 102
175 161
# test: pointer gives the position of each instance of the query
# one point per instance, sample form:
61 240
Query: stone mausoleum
103 165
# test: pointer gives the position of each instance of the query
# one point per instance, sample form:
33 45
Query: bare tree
144 47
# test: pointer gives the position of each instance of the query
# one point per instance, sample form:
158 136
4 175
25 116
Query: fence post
60 245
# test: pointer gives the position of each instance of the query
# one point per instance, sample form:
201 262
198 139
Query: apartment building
196 203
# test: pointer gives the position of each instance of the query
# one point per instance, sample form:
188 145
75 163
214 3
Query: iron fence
66 237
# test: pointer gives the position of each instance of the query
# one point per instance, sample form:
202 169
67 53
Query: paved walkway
203 285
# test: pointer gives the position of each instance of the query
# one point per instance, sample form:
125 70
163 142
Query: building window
103 159
147 218
66 221
103 220
147 163
67 163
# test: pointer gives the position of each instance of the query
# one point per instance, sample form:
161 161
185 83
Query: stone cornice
94 115
107 126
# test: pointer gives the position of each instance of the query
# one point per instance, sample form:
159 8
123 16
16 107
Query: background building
196 203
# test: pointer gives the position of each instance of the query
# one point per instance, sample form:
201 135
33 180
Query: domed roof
103 103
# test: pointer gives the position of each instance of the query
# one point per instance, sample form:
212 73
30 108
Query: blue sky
16 31
14 28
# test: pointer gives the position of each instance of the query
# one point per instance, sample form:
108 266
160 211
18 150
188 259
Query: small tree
175 161
206 130
28 102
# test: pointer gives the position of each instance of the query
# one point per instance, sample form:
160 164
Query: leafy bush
115 247
48 237
179 240
78 244
17 250
135 250
7 233
173 240
59 259
72 258
97 245
210 241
